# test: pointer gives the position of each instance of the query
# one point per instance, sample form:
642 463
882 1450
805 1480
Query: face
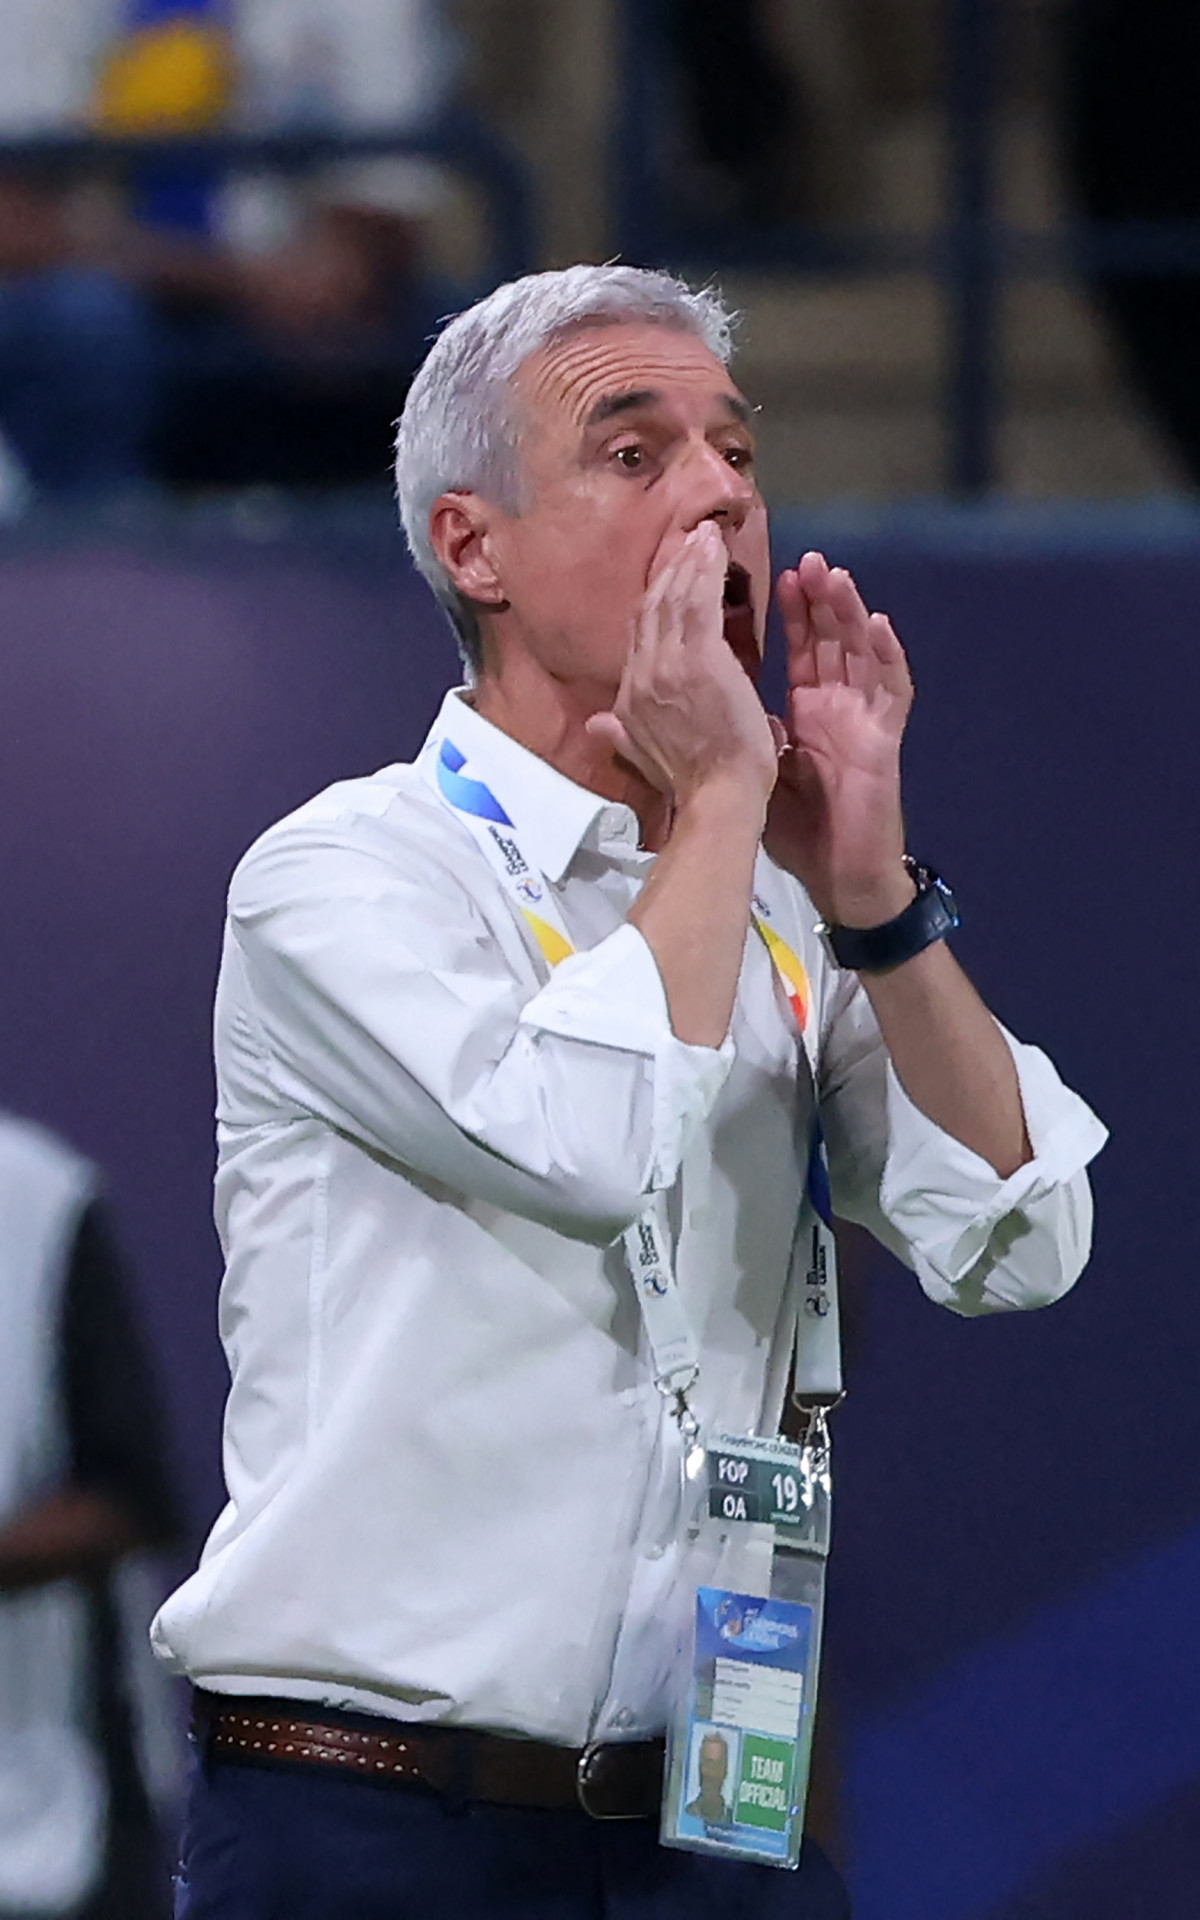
713 1764
632 435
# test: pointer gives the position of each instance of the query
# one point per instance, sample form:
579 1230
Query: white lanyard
674 1345
817 1362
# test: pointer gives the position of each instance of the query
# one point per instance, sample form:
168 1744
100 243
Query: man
83 1486
479 1020
712 1765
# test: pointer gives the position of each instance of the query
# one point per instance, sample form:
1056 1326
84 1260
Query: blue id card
738 1765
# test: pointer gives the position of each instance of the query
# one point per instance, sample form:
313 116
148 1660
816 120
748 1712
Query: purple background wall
1018 1566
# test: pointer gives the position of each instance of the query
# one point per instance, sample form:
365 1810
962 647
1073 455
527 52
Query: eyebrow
615 404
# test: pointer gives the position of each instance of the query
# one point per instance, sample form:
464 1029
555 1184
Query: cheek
595 543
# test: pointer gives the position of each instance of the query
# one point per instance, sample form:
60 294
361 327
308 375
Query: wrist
726 799
872 900
884 945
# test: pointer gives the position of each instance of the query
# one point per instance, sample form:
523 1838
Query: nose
716 490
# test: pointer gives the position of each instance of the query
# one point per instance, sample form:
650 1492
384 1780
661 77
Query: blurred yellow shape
173 78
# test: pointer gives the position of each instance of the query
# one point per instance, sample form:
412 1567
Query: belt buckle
586 1779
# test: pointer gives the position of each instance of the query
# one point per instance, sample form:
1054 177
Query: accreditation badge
740 1738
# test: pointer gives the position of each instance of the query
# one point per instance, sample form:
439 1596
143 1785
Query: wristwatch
931 916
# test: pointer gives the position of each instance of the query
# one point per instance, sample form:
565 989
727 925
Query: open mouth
738 619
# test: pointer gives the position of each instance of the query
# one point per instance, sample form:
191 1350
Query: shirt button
655 1552
623 1718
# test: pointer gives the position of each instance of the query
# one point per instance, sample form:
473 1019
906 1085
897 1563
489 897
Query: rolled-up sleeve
978 1244
377 996
613 996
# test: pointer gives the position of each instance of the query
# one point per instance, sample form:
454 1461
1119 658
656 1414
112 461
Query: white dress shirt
449 1469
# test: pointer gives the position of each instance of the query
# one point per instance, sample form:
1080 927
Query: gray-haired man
435 1630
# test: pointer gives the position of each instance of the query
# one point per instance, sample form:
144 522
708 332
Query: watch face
948 901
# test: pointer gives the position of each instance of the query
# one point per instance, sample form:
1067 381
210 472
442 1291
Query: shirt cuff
613 996
947 1201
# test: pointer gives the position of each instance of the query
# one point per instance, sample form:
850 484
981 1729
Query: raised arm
688 718
835 822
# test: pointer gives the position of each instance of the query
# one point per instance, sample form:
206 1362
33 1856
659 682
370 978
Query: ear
460 526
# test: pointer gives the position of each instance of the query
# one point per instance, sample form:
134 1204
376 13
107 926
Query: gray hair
458 431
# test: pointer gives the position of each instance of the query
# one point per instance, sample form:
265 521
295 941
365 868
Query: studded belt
610 1780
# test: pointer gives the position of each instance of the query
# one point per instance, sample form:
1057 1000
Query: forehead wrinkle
568 370
613 404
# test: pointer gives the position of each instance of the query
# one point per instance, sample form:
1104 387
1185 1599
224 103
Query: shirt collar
551 814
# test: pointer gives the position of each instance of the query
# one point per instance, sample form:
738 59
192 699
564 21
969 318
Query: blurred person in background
196 332
742 107
74 337
1132 82
770 110
291 337
85 1739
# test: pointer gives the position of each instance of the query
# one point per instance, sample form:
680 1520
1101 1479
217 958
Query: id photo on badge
712 1774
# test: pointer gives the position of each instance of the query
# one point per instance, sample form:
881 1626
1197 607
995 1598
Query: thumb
606 727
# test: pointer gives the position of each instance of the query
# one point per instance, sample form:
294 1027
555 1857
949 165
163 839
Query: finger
645 625
830 657
703 620
702 550
862 671
835 613
685 597
712 555
889 713
667 552
814 574
667 576
792 602
680 551
812 571
608 728
837 610
660 613
894 671
845 598
691 600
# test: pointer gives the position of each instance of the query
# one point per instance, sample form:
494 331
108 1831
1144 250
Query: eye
631 456
741 459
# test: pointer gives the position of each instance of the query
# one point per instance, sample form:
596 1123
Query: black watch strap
931 916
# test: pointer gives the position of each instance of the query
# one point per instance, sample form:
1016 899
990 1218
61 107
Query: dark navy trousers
262 1845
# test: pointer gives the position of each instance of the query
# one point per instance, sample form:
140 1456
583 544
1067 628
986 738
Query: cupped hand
685 713
835 817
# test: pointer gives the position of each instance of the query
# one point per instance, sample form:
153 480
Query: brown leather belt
608 1780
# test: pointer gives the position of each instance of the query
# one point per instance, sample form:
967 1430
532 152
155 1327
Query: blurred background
965 239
